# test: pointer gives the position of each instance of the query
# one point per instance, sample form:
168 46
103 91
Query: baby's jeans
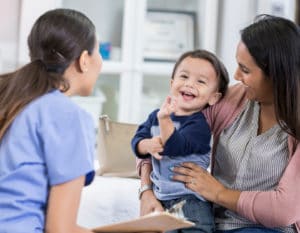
196 211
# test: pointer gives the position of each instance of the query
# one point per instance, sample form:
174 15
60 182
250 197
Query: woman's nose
237 75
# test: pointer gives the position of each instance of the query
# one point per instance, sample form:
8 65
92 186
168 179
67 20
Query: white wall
30 10
9 27
99 14
235 15
284 8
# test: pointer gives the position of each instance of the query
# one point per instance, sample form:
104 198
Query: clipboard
154 222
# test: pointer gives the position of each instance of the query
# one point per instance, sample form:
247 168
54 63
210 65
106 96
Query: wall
99 14
9 28
235 15
30 10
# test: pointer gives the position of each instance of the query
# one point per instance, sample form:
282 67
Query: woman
256 128
46 141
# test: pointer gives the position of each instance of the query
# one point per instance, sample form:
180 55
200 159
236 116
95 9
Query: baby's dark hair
219 67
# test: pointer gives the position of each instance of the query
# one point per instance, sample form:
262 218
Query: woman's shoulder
54 106
235 93
234 99
227 109
56 102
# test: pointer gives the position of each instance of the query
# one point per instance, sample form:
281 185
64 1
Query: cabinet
132 87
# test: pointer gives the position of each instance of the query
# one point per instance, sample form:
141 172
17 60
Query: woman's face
258 85
93 71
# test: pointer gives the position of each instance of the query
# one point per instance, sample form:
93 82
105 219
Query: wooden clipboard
154 222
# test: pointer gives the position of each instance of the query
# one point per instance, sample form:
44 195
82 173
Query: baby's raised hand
167 108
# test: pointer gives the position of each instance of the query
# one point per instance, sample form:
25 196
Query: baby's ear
214 98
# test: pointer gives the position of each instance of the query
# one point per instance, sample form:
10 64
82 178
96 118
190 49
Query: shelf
113 67
158 68
147 68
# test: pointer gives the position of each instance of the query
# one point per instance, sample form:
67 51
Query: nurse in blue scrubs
46 141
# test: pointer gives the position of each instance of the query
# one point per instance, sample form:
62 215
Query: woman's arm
279 207
148 203
63 204
273 208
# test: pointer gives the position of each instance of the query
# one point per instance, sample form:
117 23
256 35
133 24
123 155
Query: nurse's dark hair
220 69
274 44
56 40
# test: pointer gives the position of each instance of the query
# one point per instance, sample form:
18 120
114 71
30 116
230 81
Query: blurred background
139 41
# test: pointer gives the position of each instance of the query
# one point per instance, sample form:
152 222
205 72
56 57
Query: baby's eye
201 81
183 76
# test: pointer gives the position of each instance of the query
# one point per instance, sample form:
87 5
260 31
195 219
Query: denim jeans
196 211
250 230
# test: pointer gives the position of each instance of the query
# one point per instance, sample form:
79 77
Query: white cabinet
132 87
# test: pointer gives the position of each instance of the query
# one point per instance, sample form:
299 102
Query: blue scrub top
50 142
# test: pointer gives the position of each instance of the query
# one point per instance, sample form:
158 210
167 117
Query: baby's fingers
157 156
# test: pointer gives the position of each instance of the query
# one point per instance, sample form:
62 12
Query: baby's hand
167 108
155 146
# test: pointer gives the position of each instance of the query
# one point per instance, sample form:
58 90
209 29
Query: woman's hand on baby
198 180
202 182
167 108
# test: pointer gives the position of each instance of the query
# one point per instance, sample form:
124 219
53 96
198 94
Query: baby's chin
186 111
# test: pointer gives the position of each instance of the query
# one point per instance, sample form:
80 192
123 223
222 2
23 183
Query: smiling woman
254 183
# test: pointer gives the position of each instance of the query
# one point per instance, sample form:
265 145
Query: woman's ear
214 98
83 61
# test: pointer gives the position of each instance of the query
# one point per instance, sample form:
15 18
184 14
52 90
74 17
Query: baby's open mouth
187 95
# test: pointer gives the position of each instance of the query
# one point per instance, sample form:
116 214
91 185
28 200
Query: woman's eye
184 76
201 81
244 70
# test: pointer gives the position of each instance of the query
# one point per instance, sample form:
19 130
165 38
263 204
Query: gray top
242 155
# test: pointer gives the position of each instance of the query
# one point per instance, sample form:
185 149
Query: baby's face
195 84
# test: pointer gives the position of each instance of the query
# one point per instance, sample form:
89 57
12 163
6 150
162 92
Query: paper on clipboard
154 222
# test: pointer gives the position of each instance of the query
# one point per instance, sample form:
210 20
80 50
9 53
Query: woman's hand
149 203
202 182
198 180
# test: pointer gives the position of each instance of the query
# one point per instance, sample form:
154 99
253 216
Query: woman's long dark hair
274 43
57 39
